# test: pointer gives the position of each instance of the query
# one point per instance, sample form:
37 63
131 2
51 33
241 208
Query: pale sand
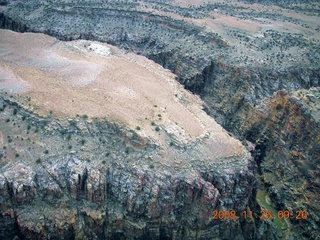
68 78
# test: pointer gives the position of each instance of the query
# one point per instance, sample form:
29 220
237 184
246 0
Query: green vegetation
138 128
280 223
83 141
157 129
127 149
17 155
38 160
153 123
46 151
85 116
63 131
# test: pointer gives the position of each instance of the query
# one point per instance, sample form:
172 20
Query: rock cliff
70 176
235 56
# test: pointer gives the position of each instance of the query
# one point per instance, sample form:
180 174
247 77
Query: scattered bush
138 128
38 160
46 151
127 150
157 129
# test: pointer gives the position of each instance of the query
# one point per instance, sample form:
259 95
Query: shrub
157 129
17 155
38 160
127 150
46 151
152 123
138 128
15 111
83 141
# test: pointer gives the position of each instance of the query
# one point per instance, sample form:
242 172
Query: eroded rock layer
95 176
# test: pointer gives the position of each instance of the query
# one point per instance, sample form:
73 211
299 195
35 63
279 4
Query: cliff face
98 190
286 131
70 176
236 61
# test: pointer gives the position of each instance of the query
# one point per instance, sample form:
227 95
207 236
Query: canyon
137 156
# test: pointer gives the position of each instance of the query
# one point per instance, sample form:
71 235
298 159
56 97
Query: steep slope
94 176
233 54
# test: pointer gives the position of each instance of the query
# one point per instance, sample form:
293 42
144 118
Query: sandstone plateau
100 142
97 166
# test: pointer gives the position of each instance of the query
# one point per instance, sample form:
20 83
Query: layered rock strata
88 176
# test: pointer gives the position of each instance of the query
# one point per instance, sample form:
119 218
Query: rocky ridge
88 177
224 72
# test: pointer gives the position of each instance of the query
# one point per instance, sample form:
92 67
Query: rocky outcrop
285 129
98 190
233 93
104 173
